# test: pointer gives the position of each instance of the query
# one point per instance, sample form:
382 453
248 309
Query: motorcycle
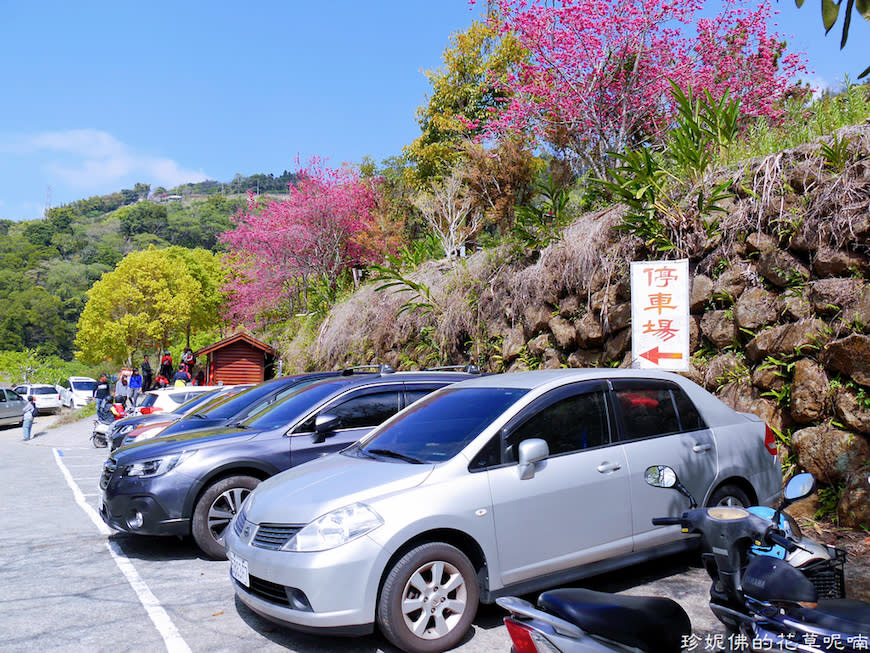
106 416
762 599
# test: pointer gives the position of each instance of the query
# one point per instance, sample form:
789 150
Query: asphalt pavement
69 583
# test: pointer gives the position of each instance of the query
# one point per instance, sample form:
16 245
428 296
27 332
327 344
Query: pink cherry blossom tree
596 76
279 247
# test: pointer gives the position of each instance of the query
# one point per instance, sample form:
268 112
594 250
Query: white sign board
660 315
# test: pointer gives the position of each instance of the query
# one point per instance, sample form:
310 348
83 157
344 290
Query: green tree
144 218
464 91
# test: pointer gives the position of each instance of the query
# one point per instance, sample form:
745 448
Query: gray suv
193 483
500 485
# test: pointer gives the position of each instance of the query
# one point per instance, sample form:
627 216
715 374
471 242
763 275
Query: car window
21 390
293 406
180 397
13 396
570 424
439 426
44 390
358 412
2 396
148 401
690 418
84 386
195 402
647 409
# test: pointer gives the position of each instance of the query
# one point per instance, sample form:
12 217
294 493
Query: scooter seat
841 615
652 624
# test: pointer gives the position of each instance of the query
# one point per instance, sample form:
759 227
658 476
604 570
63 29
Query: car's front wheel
214 510
429 599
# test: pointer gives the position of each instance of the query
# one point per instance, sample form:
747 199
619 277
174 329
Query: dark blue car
193 483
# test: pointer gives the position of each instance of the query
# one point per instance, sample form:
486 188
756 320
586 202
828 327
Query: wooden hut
238 359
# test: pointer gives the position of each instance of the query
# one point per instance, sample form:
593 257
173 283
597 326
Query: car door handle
606 467
701 448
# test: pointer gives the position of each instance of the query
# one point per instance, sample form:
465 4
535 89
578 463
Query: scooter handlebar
666 521
782 541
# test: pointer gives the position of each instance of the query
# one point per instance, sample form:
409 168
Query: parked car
134 427
501 485
165 400
11 407
77 391
193 483
46 397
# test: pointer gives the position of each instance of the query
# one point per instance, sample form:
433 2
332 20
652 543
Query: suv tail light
770 440
521 636
148 410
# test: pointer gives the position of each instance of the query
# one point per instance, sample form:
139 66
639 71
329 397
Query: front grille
271 592
109 468
274 536
828 576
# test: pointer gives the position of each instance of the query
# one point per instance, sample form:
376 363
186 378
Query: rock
786 339
551 360
585 358
617 344
805 509
512 345
793 304
618 317
809 392
830 296
694 332
853 509
723 369
742 397
537 346
781 268
718 327
569 306
830 262
607 296
755 308
536 318
857 314
730 283
695 374
850 356
702 292
589 331
563 332
828 453
518 365
759 242
768 378
846 407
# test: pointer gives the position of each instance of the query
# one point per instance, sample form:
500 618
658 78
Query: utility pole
47 201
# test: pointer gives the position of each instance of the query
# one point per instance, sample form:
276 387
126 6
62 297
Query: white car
168 399
77 391
46 397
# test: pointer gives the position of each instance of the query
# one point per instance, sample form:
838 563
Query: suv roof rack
382 369
470 368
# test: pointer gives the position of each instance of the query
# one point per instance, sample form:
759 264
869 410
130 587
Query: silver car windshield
439 426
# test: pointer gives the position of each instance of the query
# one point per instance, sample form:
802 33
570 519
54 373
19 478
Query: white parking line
171 637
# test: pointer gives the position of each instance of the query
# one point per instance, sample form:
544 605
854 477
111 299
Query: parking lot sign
660 315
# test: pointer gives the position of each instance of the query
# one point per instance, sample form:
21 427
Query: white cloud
93 159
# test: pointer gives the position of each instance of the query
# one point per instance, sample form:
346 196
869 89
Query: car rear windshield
191 405
83 386
287 411
439 426
148 401
46 390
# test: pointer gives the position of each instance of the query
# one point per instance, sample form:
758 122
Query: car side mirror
324 425
529 453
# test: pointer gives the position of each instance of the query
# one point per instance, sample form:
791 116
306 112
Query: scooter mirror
800 486
660 476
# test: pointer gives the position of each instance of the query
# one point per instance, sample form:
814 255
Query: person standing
147 373
134 386
30 413
187 360
102 392
121 389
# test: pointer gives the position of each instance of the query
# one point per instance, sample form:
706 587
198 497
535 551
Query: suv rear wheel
214 510
429 599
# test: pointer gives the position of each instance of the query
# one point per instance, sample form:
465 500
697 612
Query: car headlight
156 466
335 528
147 434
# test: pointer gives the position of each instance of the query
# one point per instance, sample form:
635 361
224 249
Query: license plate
239 569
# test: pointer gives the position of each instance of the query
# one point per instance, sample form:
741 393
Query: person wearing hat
135 386
30 413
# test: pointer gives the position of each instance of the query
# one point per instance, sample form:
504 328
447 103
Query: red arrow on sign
654 355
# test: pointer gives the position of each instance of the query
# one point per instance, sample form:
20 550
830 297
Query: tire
99 441
413 581
215 509
729 495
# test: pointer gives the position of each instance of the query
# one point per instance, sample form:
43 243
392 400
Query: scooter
754 594
103 424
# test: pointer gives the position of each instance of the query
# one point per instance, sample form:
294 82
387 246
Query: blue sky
99 95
